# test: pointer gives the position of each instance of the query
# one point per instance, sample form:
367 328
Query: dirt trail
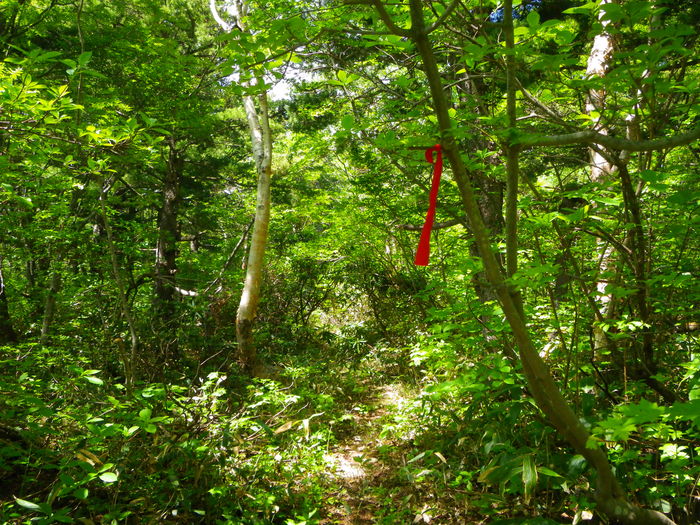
356 466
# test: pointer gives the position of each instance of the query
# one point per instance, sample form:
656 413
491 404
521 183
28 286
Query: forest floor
357 466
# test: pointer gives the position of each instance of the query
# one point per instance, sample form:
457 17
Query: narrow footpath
357 467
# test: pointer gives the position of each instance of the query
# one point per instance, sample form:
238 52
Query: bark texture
166 256
261 140
601 169
7 332
262 151
50 306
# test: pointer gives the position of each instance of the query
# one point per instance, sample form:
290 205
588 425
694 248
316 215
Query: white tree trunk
262 151
601 168
261 139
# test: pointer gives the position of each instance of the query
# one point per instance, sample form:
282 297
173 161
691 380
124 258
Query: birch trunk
262 151
261 140
601 168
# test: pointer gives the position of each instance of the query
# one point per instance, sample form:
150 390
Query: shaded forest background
567 224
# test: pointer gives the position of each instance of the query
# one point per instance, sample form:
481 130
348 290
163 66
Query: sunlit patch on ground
355 464
347 463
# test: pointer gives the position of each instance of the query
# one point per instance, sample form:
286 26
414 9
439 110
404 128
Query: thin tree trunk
601 169
128 359
50 306
262 150
636 238
512 160
7 332
261 139
489 191
166 256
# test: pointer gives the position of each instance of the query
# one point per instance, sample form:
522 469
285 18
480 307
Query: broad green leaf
84 58
28 505
582 9
417 457
81 493
643 412
533 19
348 122
109 477
608 200
48 56
689 411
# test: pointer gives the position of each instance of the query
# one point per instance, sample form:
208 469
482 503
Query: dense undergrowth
462 442
127 190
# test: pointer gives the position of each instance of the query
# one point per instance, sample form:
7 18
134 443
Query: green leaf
643 412
80 493
612 12
533 19
348 122
109 477
549 472
581 9
694 393
689 411
418 457
84 58
529 477
48 56
94 380
25 201
607 200
28 505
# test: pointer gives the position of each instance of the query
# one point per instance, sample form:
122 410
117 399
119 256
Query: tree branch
615 143
215 13
437 226
386 18
443 17
383 14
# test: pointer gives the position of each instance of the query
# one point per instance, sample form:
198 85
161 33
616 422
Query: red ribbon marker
423 252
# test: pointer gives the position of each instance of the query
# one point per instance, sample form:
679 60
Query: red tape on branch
423 252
